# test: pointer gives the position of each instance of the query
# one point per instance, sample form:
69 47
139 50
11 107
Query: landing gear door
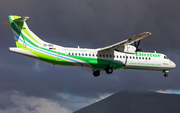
58 56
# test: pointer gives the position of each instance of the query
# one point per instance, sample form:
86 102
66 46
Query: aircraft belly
76 61
154 68
101 64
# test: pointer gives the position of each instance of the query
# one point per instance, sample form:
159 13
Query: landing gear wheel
109 70
165 75
96 73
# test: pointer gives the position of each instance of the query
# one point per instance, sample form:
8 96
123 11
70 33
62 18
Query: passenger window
69 53
86 54
123 56
106 55
117 56
136 57
82 54
126 56
139 57
100 55
110 55
76 54
72 53
103 55
120 56
79 54
146 58
130 57
143 58
133 57
93 55
149 58
89 54
113 56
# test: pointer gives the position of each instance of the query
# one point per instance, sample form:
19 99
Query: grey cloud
25 104
90 24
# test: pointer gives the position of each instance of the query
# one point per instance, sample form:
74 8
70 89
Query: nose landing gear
165 73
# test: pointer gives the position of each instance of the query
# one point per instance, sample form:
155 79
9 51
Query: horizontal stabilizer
23 52
19 19
22 19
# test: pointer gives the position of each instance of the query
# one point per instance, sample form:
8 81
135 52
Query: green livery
121 55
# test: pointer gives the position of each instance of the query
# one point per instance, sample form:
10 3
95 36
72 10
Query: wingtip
148 33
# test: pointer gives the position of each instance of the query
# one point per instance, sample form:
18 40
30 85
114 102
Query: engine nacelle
127 49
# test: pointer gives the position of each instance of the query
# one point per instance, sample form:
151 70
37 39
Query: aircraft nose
173 65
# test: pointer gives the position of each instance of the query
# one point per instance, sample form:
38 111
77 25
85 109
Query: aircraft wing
126 42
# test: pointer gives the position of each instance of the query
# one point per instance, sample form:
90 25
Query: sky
31 86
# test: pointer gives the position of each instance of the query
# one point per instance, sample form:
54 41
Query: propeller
137 45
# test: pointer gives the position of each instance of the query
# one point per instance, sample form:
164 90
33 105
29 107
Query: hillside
135 102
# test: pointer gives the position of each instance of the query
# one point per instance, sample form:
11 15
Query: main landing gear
108 70
96 73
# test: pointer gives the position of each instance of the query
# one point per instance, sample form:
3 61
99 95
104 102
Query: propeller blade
138 43
139 49
135 44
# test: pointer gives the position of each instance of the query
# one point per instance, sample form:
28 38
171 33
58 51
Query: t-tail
25 39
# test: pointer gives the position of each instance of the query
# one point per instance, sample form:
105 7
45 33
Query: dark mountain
135 102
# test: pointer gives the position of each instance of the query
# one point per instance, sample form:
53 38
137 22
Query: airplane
121 55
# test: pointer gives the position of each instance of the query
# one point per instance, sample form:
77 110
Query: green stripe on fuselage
98 64
47 58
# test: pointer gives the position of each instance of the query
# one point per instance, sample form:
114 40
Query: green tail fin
23 35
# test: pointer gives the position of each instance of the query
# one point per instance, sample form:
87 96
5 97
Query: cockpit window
165 57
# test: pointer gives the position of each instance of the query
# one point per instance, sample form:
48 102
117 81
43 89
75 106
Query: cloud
89 24
103 96
37 66
165 91
169 91
75 102
31 104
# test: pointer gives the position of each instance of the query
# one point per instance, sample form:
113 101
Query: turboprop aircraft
121 55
